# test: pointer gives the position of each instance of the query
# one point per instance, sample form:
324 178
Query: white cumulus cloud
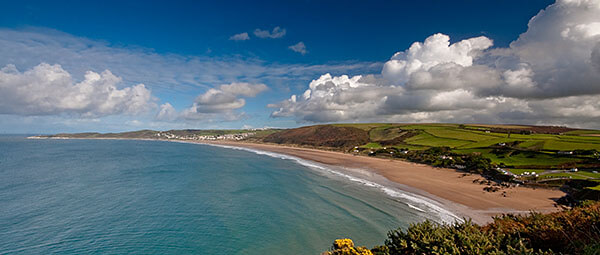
50 90
435 51
549 75
332 99
215 103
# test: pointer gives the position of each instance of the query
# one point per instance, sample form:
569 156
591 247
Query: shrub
573 231
346 247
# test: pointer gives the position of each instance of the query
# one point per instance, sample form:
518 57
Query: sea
63 196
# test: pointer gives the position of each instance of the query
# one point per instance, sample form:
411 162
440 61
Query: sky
108 66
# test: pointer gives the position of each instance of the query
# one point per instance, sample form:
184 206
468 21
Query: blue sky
183 53
378 28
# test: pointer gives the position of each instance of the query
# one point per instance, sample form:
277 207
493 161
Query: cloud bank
215 104
49 90
549 75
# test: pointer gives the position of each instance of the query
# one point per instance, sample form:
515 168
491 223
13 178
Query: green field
372 146
453 136
386 132
563 175
427 139
543 174
584 132
589 174
595 187
530 149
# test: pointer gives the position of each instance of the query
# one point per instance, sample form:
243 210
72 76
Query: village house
565 152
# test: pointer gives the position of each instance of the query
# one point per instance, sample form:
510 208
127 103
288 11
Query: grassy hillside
320 136
549 151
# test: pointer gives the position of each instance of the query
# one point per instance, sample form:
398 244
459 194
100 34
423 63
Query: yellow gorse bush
343 243
346 247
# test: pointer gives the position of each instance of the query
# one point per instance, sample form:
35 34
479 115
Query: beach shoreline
452 188
455 190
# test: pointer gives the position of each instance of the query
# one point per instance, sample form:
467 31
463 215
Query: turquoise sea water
117 196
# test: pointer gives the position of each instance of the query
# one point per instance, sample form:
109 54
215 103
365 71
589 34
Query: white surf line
430 205
414 207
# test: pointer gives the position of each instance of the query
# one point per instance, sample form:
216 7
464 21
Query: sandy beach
455 190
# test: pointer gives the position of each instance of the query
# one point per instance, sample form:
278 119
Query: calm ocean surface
116 196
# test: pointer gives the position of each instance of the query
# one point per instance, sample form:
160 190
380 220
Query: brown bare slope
321 136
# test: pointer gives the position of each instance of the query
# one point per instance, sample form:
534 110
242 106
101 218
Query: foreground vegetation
573 231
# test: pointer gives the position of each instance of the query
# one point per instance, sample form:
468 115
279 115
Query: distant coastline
454 190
